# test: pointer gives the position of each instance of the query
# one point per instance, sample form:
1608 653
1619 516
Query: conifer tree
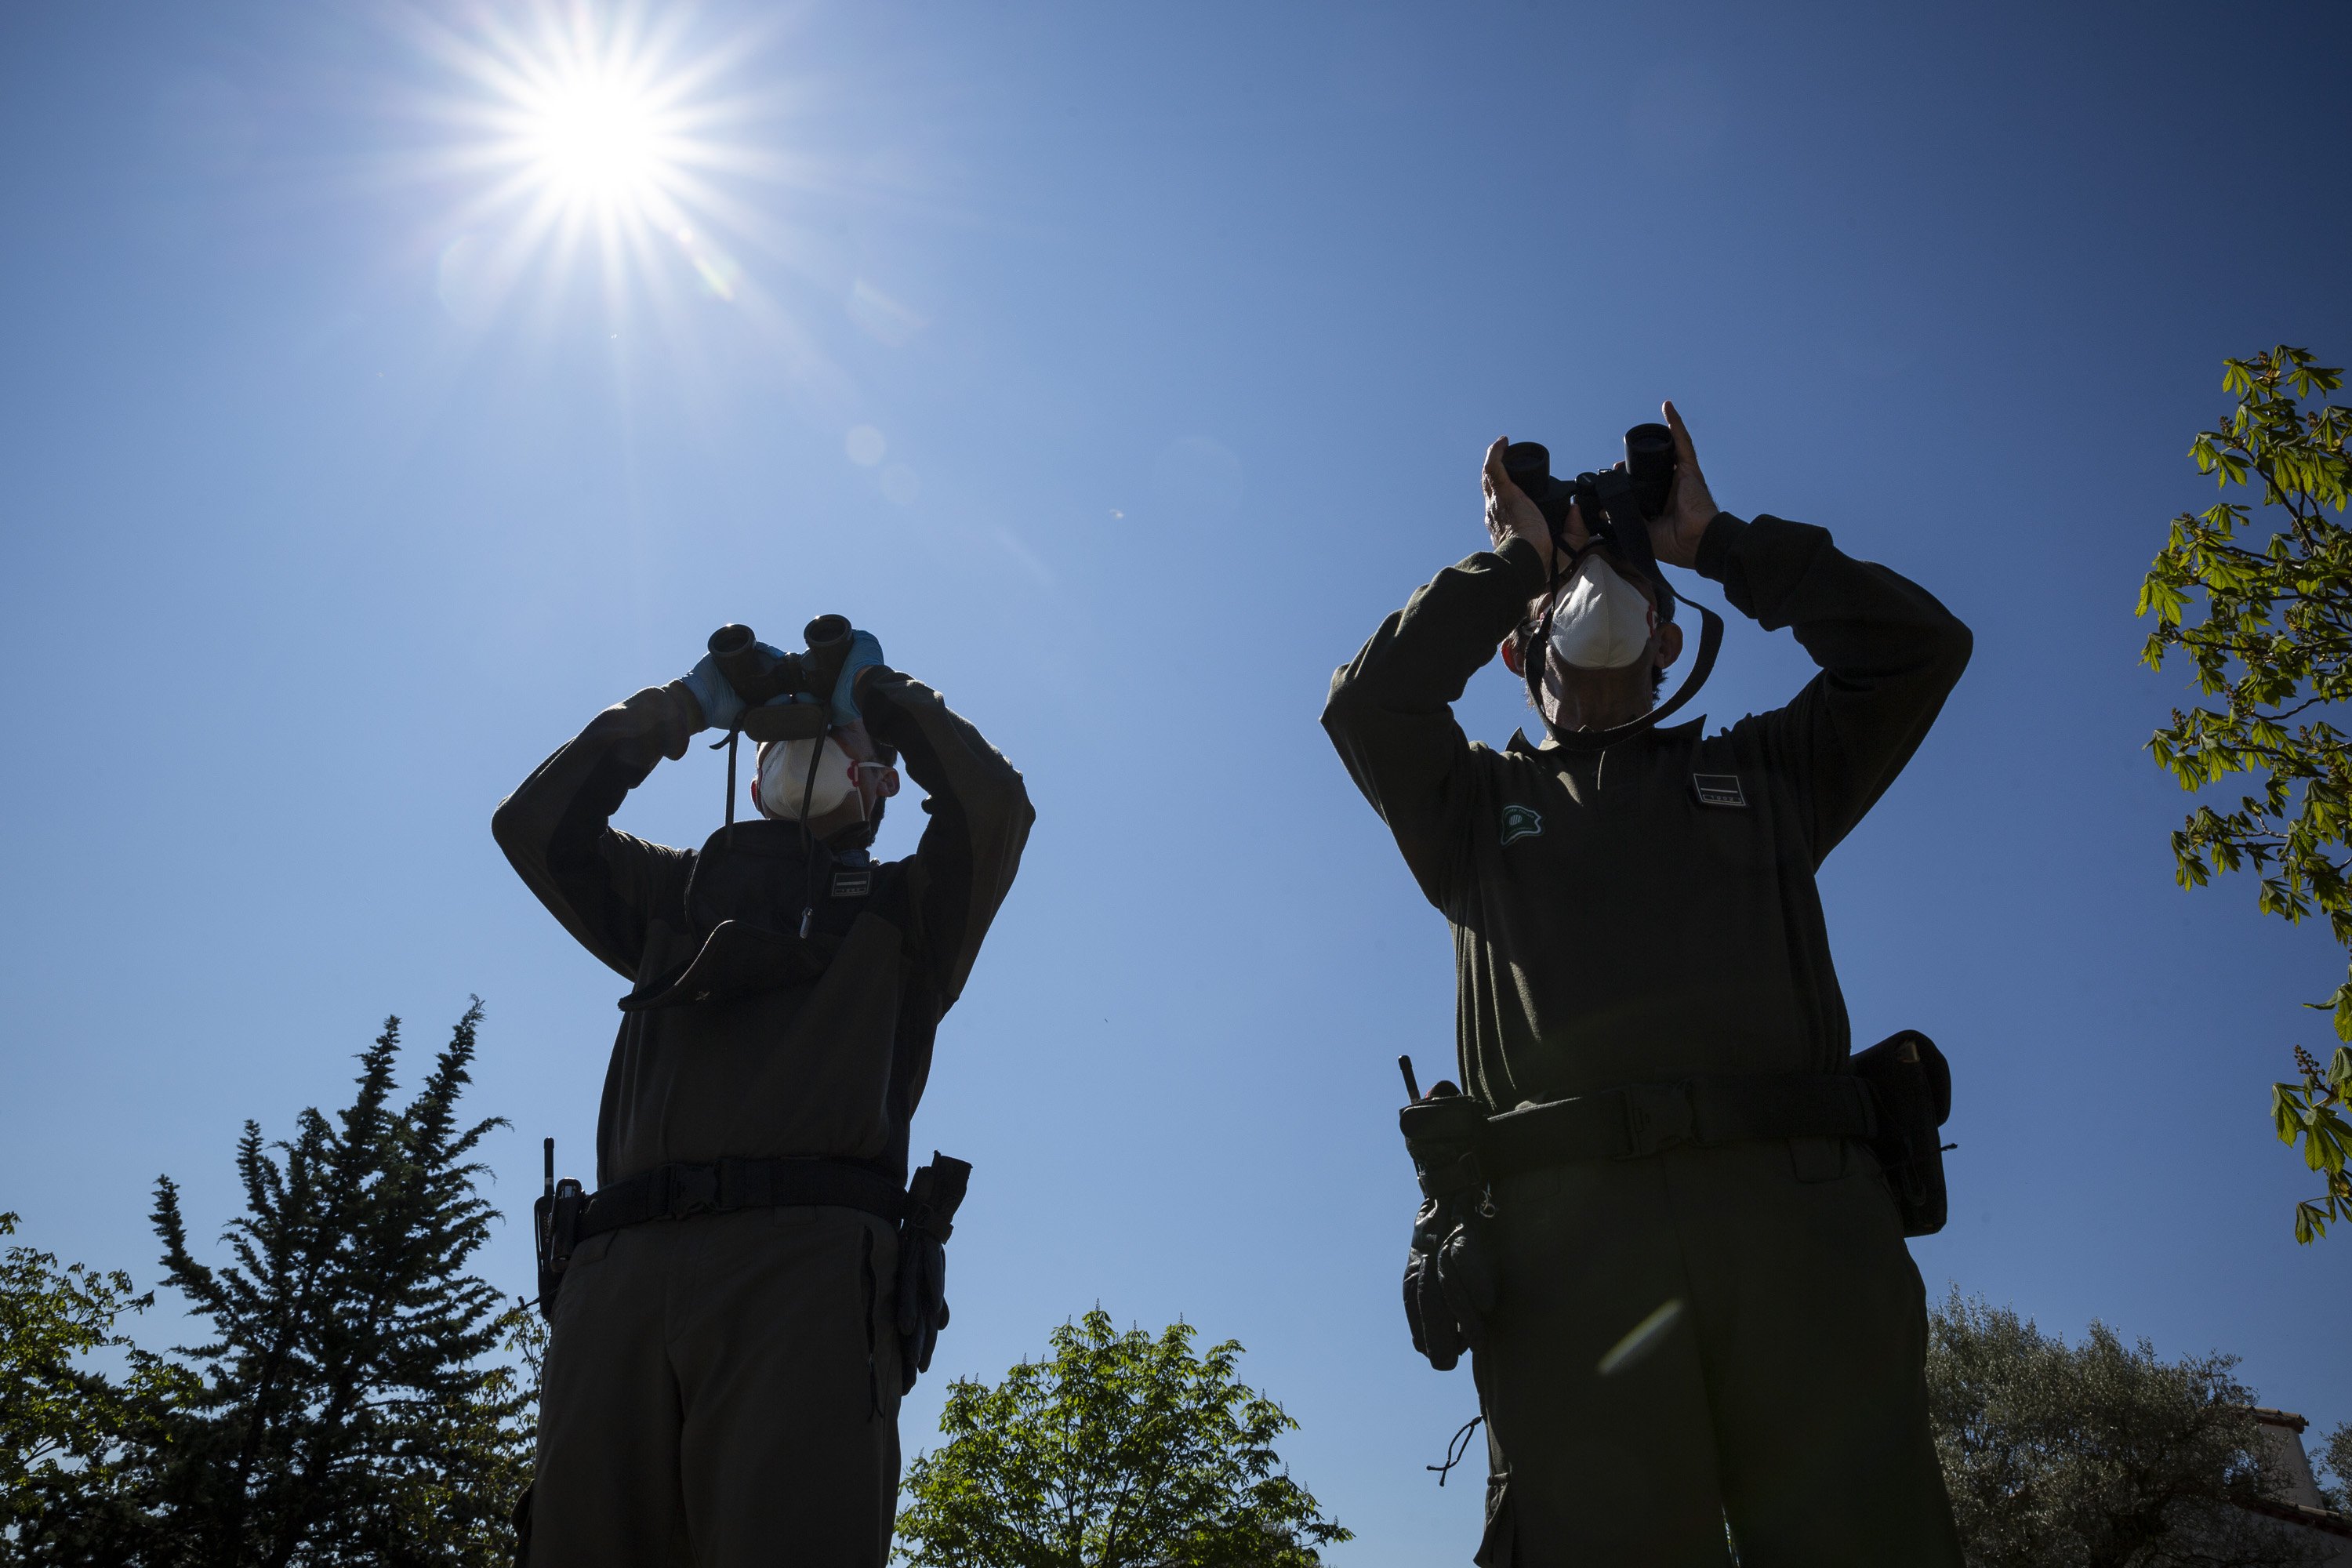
345 1407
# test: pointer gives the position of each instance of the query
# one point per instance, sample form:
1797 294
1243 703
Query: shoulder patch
1520 822
1718 789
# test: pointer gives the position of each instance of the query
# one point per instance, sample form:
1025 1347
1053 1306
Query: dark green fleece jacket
1647 911
832 1065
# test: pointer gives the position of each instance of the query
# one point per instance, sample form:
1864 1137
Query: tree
346 1407
56 1415
1120 1451
2336 1462
2274 643
2097 1454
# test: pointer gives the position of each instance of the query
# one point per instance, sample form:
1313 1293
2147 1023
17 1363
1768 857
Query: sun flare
598 135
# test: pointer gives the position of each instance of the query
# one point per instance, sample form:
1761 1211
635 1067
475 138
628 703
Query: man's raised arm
1390 711
980 814
555 828
1889 655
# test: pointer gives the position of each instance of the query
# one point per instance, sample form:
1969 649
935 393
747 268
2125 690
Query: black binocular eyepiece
1650 463
760 677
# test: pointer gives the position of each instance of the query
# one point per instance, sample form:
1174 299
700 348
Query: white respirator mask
1601 622
784 780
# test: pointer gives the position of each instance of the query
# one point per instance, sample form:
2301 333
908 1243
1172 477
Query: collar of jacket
1688 730
763 837
772 839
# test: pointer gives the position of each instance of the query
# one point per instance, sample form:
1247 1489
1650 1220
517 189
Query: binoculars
1617 505
760 676
1649 467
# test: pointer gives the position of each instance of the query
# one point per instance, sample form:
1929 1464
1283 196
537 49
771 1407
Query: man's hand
1509 512
720 706
1675 533
865 654
661 716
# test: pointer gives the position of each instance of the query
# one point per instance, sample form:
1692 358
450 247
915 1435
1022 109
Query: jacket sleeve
603 885
980 814
1391 712
1889 654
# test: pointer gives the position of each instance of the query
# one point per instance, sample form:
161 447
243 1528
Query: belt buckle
1657 1116
693 1189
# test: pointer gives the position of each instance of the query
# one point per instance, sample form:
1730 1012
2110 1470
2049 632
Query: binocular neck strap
1613 492
733 735
1710 643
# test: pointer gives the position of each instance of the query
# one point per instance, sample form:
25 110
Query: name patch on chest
852 884
1520 822
1718 789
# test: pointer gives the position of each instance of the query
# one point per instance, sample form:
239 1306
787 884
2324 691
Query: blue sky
1182 330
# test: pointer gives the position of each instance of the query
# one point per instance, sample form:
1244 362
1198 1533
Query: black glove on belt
932 1198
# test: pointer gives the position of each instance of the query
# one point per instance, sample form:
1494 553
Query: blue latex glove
722 709
865 653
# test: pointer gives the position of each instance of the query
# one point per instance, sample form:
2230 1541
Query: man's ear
1670 645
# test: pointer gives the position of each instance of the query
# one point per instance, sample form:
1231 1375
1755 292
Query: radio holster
933 1196
555 1230
1450 1282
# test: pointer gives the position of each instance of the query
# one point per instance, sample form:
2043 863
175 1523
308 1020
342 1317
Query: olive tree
2098 1455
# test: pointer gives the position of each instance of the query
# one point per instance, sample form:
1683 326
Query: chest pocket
1730 826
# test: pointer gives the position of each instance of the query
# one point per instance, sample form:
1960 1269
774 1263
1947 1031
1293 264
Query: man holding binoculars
1666 1211
739 1305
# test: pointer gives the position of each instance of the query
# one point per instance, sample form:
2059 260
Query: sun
596 132
595 119
596 139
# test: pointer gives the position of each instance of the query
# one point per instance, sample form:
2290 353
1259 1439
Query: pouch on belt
1450 1282
1911 1084
933 1196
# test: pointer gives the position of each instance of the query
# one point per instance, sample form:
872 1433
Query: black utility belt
1457 1147
679 1191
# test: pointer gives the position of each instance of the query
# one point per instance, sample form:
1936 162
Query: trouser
1780 1385
722 1391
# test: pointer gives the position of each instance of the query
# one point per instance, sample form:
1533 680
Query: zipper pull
808 914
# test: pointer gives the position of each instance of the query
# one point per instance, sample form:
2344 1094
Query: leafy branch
2274 645
2313 1111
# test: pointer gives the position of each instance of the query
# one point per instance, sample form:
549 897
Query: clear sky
1121 367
